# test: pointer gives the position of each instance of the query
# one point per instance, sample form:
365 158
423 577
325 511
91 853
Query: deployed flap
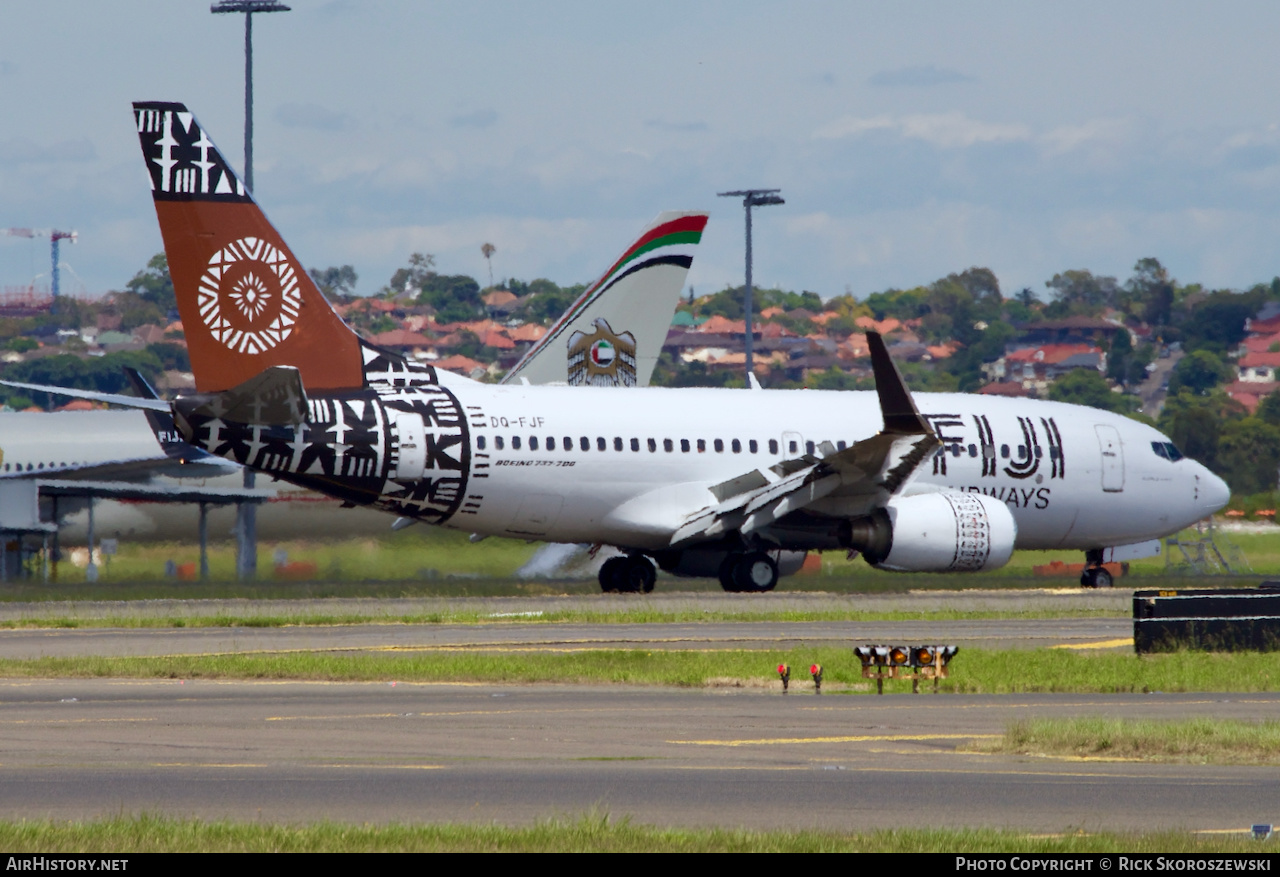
870 471
273 398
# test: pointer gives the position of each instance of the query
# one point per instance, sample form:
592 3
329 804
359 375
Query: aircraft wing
865 474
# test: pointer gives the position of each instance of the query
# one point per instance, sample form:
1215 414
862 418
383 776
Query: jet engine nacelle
935 532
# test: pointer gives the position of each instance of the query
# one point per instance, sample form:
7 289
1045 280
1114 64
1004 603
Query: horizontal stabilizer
273 398
93 396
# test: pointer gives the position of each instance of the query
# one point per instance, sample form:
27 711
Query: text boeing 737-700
702 481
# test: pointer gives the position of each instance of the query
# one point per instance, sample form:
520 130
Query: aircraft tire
638 575
728 573
1102 578
611 575
756 573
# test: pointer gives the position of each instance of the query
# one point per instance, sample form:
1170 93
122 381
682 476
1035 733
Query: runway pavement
563 637
384 753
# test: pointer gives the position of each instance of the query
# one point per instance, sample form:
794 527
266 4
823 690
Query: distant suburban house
1037 367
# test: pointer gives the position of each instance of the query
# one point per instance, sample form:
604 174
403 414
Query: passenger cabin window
1004 451
568 443
533 442
973 450
737 446
585 443
601 444
841 446
702 446
808 446
719 446
480 442
773 446
753 446
684 446
653 446
551 443
668 445
792 447
617 443
635 444
515 443
497 442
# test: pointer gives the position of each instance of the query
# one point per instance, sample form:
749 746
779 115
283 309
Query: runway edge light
816 672
784 673
1262 831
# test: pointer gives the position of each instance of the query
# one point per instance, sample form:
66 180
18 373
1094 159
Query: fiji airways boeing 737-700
698 481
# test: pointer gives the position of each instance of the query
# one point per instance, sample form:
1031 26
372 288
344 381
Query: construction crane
55 236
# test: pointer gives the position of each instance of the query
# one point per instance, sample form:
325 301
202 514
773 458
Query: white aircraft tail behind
612 335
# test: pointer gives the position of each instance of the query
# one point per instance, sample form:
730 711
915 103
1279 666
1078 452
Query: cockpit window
1167 450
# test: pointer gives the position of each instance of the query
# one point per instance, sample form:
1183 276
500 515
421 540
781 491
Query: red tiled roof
1050 353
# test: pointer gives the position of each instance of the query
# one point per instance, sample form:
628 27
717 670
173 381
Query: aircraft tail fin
613 334
246 302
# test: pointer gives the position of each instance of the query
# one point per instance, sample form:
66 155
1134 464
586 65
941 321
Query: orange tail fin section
246 302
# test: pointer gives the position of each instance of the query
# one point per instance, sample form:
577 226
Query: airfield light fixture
816 672
751 198
905 662
784 673
247 513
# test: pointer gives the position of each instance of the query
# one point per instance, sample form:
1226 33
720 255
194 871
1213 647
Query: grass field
1198 740
974 671
594 832
425 561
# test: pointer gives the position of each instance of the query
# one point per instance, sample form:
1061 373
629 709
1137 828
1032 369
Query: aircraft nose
1212 493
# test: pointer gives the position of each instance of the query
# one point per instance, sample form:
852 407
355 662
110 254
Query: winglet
901 417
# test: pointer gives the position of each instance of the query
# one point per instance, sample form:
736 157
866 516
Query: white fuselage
1073 477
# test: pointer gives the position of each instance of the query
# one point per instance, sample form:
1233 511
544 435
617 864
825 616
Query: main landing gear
633 574
1095 575
753 572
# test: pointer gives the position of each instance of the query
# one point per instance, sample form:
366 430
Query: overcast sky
910 139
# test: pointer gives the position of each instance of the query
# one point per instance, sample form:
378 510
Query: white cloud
945 130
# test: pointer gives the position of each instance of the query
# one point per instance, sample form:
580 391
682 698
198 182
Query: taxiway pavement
378 752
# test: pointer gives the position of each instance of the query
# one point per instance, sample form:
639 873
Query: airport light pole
248 7
247 512
751 198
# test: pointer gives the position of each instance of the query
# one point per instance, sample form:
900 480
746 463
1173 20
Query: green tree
1195 423
1199 372
1085 386
335 282
154 284
1249 455
1082 291
1149 293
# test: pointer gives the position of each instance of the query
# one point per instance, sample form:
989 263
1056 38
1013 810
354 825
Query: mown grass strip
1198 740
590 833
621 616
974 671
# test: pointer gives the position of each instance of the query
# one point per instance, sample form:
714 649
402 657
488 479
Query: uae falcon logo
249 296
603 358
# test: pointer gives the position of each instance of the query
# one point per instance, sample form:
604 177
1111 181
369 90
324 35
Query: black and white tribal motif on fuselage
401 444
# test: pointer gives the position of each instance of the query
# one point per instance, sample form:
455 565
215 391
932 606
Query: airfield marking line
913 704
68 721
204 764
866 738
1104 644
533 711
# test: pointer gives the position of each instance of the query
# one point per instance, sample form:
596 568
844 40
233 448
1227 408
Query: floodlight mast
248 7
751 198
247 513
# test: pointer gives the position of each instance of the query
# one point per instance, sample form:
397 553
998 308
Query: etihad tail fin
613 334
246 302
